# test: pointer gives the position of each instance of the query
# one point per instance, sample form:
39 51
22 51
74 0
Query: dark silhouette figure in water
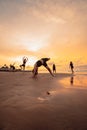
25 59
5 66
40 63
54 68
71 66
12 67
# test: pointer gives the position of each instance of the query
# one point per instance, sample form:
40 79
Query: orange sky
43 28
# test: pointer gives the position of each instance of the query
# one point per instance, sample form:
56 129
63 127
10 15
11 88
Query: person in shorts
39 63
71 66
25 59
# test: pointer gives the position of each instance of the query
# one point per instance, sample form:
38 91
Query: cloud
22 12
59 25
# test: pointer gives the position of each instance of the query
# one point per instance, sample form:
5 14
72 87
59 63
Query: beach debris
42 99
48 93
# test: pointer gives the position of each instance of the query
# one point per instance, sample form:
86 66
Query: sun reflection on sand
76 81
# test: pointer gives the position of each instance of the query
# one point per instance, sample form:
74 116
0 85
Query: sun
31 60
35 47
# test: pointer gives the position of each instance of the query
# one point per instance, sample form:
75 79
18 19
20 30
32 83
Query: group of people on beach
43 62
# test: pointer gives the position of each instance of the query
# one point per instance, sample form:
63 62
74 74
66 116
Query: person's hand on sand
39 63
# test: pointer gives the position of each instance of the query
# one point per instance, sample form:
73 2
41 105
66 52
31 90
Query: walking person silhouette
71 66
54 68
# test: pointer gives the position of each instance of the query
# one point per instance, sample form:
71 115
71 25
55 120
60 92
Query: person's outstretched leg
49 70
72 70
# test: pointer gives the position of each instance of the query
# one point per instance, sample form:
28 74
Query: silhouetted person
25 59
5 66
54 68
40 63
71 66
12 67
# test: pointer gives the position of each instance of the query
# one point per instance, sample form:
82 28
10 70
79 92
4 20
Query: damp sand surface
43 103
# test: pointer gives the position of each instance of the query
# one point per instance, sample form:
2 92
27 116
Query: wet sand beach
43 103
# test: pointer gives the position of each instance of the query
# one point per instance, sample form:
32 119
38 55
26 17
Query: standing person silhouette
71 66
25 59
12 67
40 63
54 68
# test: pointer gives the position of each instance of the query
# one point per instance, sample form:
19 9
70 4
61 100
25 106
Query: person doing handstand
40 63
25 59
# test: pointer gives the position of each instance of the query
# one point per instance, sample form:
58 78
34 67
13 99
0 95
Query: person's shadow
71 80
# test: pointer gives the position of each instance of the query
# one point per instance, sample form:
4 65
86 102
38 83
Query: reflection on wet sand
75 81
72 80
43 103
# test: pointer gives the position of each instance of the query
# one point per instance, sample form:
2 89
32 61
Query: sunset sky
43 28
